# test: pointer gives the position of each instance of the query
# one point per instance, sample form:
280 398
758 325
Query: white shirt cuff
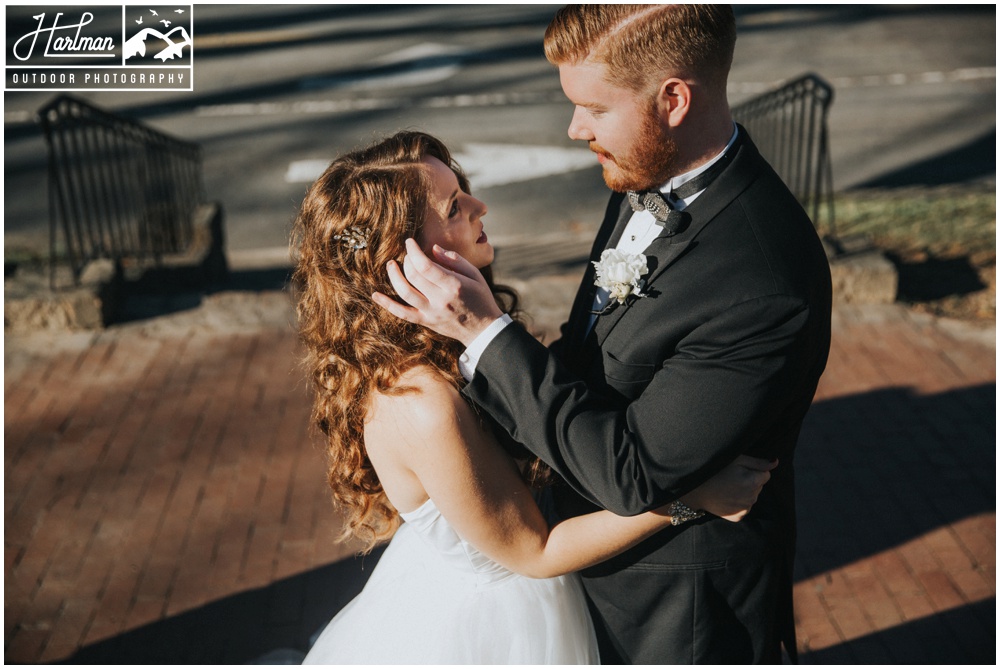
470 358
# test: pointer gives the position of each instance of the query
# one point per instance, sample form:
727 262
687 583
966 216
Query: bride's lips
482 238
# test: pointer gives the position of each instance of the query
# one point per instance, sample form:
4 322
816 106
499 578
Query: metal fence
117 188
788 125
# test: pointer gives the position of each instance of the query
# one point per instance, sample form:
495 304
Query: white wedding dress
434 599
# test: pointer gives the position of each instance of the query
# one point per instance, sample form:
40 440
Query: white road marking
919 78
487 165
421 51
549 97
305 171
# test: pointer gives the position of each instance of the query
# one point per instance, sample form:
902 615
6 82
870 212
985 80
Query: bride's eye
454 208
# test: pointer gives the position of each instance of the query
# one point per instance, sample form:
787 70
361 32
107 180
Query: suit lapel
664 251
619 212
624 216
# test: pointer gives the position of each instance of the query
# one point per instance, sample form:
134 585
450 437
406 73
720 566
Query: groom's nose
578 129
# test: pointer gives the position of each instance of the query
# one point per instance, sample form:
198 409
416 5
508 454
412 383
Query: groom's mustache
598 149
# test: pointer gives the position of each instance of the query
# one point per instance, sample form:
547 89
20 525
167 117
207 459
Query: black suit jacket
721 357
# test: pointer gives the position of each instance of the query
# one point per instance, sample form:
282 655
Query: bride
474 573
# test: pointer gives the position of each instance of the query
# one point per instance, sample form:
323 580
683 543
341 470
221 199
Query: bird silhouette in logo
139 21
153 11
178 11
165 22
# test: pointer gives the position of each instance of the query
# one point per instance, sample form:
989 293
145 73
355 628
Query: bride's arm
435 435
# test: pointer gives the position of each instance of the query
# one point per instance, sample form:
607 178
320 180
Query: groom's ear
673 100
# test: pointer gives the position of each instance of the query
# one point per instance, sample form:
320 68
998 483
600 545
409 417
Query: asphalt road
281 89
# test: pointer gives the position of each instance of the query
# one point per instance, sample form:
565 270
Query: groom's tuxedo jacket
720 357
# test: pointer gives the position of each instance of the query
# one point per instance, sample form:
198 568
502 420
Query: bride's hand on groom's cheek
733 491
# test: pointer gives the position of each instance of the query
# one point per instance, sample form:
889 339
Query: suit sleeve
727 381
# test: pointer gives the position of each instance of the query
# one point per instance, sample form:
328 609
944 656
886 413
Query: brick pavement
163 502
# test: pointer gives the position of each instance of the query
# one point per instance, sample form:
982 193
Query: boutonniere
621 274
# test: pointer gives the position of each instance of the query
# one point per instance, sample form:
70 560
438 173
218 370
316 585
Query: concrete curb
34 301
861 274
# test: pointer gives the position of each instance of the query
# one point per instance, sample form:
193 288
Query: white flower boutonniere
620 274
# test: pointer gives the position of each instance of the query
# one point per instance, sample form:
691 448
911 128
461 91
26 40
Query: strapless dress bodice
432 527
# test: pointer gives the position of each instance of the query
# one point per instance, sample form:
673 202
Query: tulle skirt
418 609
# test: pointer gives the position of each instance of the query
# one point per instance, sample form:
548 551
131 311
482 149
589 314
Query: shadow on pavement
935 278
163 291
878 469
923 641
975 160
274 622
874 470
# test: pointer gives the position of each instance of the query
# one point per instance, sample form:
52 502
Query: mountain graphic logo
160 33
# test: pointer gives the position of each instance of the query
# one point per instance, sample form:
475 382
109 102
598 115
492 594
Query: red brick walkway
163 502
896 471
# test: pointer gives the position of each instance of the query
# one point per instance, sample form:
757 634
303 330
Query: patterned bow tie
663 206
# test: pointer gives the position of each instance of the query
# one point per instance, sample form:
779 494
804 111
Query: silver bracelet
681 512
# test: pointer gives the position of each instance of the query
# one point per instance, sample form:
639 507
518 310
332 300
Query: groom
705 340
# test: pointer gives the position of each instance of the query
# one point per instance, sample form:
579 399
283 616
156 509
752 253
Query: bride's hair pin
354 238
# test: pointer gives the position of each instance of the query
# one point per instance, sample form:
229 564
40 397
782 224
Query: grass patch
946 221
942 241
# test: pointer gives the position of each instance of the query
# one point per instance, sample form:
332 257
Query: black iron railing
789 127
117 188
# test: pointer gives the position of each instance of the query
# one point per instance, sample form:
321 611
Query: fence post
789 126
117 188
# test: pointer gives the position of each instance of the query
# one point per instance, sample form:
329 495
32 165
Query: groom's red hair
641 45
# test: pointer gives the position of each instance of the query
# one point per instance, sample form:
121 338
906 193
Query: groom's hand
449 296
730 493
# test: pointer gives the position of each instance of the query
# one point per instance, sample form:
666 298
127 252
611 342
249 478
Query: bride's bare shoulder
419 404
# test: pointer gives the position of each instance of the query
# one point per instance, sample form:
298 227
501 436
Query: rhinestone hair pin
354 238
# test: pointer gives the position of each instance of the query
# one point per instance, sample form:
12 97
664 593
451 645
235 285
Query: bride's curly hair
378 194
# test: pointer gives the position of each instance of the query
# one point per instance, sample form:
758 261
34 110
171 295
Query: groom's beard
649 163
